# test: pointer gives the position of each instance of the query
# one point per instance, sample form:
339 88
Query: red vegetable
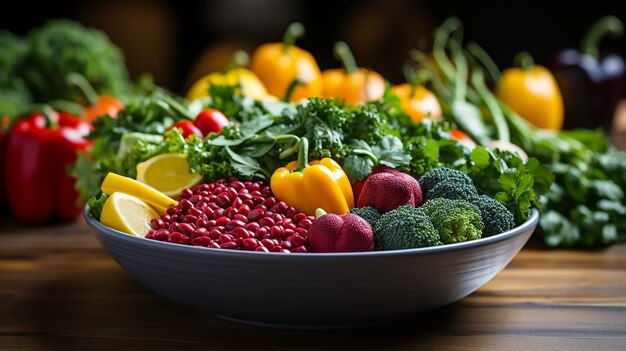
187 128
462 137
358 186
388 190
344 233
210 121
3 140
39 149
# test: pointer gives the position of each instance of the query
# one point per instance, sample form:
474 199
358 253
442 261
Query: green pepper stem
79 81
319 213
303 154
344 54
607 25
47 112
293 32
524 60
239 59
292 87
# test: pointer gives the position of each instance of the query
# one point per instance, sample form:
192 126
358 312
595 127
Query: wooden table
60 291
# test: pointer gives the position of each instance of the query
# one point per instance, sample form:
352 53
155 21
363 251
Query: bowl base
311 326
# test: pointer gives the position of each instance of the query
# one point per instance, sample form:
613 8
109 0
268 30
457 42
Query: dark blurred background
178 41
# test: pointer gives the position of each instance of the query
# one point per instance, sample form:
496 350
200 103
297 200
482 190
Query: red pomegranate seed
253 226
187 228
194 211
230 212
286 245
218 213
298 217
231 245
201 241
266 221
249 203
190 219
256 214
236 202
270 202
222 221
214 245
150 234
215 234
288 232
250 244
261 232
305 223
244 210
262 249
301 249
291 212
179 238
244 196
195 199
186 193
240 233
240 217
223 200
237 184
174 227
234 223
276 231
224 238
200 232
185 204
296 239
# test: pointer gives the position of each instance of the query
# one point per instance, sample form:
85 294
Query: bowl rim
529 224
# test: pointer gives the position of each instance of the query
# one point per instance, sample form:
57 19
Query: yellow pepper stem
293 32
524 60
239 59
344 54
292 87
303 155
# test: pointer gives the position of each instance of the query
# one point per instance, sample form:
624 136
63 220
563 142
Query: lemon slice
116 183
168 173
127 214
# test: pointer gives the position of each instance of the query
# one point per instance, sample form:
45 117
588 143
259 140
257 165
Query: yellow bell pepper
307 187
234 74
278 65
533 93
353 84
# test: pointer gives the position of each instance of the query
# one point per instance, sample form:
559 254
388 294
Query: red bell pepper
2 156
39 150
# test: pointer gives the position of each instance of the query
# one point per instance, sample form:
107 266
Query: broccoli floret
62 46
496 217
437 175
453 190
404 228
369 214
455 220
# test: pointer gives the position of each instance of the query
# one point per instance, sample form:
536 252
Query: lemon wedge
168 173
157 200
127 214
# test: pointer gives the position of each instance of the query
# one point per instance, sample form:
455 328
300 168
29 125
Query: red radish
345 233
388 191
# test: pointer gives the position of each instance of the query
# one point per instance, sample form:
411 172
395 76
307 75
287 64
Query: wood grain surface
60 291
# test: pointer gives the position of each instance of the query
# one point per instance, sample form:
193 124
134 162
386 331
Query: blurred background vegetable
592 81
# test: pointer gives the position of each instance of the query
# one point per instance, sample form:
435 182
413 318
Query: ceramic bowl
318 290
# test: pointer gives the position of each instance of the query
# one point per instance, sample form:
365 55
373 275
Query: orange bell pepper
416 100
279 65
353 84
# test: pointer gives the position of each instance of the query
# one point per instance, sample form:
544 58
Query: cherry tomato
187 128
462 137
210 121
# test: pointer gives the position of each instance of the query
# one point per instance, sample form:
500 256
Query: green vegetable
404 228
14 95
61 47
96 203
369 214
434 177
455 220
496 218
453 190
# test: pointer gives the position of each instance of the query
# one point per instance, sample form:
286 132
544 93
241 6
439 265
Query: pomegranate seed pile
233 215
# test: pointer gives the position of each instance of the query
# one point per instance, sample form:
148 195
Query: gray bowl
313 290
